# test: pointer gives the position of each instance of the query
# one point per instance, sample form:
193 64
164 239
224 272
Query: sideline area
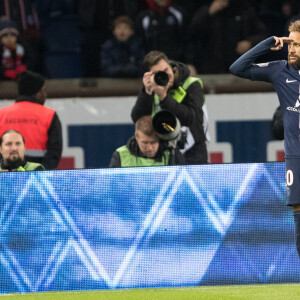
257 292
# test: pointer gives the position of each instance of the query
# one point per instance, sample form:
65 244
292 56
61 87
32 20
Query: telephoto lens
161 78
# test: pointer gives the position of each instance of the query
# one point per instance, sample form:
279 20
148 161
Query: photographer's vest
32 120
30 166
178 94
129 160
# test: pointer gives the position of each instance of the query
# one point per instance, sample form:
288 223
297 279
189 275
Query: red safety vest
32 120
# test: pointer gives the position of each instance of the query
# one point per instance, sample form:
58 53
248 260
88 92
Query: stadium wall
145 227
239 128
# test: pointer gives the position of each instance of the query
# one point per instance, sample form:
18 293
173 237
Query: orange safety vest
32 120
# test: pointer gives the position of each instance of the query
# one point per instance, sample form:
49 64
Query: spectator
95 20
182 95
189 6
144 149
24 14
291 12
223 30
12 149
163 27
122 56
39 125
12 54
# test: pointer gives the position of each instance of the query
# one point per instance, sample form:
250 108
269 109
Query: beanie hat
29 83
8 26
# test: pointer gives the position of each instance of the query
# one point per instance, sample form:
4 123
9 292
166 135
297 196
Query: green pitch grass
249 292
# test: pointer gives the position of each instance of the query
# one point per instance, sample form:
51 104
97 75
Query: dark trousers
297 229
197 155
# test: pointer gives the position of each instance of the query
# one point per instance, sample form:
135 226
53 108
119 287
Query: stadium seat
62 58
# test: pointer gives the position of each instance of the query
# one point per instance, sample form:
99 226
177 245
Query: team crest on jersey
296 107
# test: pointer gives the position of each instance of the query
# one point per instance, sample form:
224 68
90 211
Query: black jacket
189 112
134 149
164 31
277 130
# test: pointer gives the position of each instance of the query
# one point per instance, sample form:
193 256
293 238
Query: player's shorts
292 179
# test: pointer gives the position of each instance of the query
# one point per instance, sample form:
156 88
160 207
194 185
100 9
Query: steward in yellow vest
26 166
12 150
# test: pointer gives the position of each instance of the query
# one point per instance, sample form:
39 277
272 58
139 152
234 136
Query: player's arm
242 66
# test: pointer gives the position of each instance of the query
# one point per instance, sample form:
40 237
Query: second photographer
167 85
145 149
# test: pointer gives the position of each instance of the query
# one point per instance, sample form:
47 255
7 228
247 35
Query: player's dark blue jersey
286 81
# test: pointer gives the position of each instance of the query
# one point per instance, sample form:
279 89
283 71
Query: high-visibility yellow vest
129 160
178 94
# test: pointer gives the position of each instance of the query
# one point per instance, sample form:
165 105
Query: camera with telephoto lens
161 78
168 128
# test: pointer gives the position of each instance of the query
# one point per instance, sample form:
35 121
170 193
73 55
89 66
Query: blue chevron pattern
145 227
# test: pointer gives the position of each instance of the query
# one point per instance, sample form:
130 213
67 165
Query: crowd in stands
108 38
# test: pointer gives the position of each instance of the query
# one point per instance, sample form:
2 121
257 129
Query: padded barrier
145 227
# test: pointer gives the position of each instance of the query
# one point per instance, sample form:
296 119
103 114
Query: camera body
161 78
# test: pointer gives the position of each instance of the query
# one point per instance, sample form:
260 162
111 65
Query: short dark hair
153 58
9 131
123 20
144 124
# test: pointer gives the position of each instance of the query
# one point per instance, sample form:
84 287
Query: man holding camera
12 149
167 86
144 149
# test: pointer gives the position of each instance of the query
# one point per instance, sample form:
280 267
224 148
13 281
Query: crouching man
144 149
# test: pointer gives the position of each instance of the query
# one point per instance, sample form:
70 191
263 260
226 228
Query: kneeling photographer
146 148
168 86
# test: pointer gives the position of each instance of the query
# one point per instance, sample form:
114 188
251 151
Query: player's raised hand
279 42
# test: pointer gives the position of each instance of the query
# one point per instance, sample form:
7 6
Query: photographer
175 91
144 149
12 149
